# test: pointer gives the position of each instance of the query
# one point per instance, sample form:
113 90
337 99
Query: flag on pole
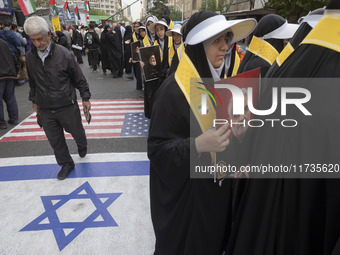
53 8
76 16
76 12
67 13
27 6
87 6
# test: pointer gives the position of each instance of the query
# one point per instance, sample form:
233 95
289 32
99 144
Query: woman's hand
213 140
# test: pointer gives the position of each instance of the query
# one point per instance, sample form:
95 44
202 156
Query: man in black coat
53 76
77 41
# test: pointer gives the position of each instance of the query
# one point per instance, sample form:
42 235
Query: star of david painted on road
85 191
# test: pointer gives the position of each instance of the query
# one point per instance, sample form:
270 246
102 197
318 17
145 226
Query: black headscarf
273 208
266 25
196 52
167 18
128 33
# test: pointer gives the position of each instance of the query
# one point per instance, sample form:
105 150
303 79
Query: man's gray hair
35 25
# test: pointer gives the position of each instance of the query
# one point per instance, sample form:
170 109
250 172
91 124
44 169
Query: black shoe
12 122
3 126
82 152
65 170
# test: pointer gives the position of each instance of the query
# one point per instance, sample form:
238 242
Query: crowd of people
201 215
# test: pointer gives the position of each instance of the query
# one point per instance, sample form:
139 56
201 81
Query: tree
293 10
97 12
175 14
211 5
158 8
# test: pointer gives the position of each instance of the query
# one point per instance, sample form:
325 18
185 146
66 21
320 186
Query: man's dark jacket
53 83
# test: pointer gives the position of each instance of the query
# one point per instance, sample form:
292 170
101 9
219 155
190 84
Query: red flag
51 2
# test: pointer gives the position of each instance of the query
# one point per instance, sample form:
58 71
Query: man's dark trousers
7 95
54 121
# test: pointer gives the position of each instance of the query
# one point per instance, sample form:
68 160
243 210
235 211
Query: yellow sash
180 51
146 42
172 51
187 79
160 50
171 25
236 63
285 53
263 49
326 33
134 37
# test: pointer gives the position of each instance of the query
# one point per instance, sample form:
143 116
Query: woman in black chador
267 43
190 215
298 216
111 44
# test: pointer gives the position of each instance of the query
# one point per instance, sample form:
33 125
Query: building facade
111 7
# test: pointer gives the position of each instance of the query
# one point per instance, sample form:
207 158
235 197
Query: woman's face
160 31
109 29
177 38
148 25
142 32
217 50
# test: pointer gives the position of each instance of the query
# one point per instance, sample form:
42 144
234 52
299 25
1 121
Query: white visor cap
176 29
218 25
286 31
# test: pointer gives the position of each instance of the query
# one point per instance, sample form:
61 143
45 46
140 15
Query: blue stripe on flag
98 169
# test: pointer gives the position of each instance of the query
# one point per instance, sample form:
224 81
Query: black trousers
93 58
138 74
77 53
54 122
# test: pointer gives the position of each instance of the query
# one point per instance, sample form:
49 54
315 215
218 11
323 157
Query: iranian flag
67 11
53 8
27 6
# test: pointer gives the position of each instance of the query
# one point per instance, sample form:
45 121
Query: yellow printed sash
171 25
187 79
326 33
263 49
134 37
146 42
285 53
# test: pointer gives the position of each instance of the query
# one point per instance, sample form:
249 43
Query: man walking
91 44
53 76
77 40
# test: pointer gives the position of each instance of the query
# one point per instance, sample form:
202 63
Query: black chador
298 216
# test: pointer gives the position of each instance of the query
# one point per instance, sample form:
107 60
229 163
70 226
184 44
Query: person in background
92 44
68 36
176 35
127 52
8 72
22 76
77 40
60 38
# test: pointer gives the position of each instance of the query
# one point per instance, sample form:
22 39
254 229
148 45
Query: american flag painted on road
110 119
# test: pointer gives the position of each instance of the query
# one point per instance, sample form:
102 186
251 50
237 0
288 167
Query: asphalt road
101 87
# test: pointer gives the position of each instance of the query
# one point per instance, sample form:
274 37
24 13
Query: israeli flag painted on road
101 208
